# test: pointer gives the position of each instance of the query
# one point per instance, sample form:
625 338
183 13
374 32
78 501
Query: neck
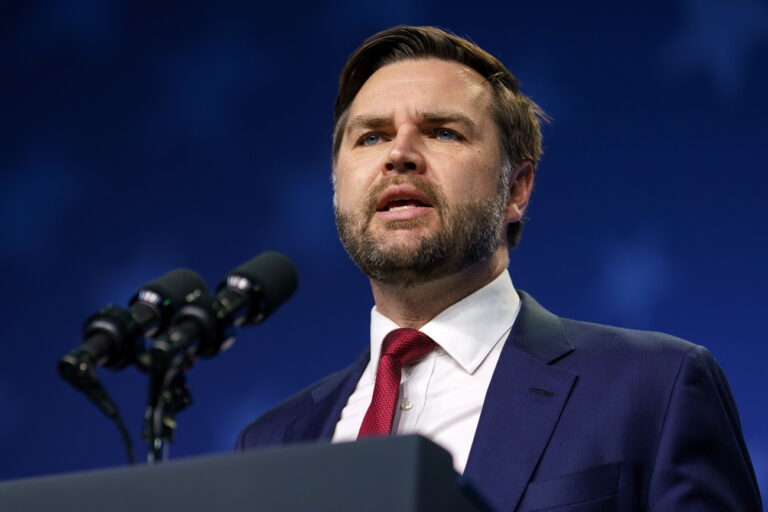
414 306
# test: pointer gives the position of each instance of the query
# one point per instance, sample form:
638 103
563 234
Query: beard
467 234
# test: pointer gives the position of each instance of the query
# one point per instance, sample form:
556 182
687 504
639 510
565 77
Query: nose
405 154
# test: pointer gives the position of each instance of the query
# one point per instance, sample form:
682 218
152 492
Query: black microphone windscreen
274 274
174 285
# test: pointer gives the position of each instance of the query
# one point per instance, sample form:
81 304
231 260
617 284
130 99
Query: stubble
467 234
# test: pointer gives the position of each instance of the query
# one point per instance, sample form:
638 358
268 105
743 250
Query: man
434 154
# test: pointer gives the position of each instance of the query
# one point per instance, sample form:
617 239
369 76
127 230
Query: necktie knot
406 345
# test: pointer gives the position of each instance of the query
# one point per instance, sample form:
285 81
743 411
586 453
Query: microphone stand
168 394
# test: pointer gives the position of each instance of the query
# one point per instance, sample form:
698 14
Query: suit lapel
328 399
522 406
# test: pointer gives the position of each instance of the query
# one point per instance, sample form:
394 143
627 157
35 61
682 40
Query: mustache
428 190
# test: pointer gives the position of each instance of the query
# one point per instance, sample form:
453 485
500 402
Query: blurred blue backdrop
138 137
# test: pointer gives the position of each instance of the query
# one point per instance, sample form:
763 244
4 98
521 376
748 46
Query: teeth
405 206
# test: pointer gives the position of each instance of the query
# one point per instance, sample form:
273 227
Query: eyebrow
449 116
367 122
363 122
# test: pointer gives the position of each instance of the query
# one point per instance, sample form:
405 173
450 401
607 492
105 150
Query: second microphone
206 324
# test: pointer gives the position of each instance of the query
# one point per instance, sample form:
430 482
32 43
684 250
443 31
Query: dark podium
404 474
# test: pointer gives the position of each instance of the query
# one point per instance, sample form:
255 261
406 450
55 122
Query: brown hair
517 116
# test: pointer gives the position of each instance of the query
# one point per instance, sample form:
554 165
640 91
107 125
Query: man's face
417 176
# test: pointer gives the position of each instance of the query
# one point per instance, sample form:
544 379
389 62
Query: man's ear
520 188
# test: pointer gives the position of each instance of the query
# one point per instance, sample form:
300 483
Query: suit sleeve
702 461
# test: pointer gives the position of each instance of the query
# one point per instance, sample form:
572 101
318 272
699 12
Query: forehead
422 84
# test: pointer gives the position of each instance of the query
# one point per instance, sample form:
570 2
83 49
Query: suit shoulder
593 336
649 359
270 427
592 342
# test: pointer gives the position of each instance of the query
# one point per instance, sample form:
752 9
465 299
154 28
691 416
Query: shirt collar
467 330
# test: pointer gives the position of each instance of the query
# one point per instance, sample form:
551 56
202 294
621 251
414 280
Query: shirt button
406 404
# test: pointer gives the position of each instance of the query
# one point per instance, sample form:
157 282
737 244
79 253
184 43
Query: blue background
138 137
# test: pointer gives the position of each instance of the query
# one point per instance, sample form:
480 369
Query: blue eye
446 135
370 139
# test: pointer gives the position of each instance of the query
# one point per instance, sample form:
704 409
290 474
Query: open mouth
400 198
402 204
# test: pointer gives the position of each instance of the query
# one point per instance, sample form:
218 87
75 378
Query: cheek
348 189
355 174
467 181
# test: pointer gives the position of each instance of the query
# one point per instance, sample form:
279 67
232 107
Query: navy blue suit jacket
578 417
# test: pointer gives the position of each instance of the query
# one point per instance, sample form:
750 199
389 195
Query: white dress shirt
442 394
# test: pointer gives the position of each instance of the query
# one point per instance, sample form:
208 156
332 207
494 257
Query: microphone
205 325
114 337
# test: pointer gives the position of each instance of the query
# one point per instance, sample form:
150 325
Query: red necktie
399 348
